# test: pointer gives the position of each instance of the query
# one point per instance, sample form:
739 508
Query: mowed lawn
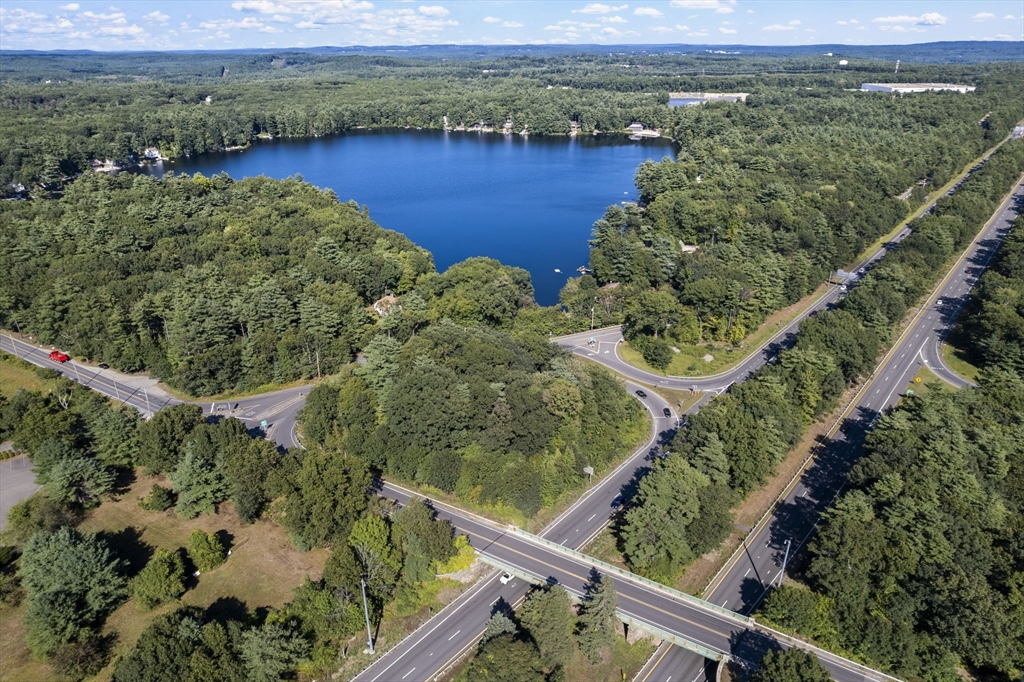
263 569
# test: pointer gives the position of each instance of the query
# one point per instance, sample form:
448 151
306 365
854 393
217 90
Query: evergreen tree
547 615
598 621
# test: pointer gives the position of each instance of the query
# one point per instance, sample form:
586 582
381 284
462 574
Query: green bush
161 581
206 551
159 499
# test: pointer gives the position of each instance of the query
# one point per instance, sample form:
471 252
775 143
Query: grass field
15 374
956 360
261 572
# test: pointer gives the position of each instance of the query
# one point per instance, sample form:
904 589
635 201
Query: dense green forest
775 195
83 451
919 567
214 285
991 328
495 419
734 442
61 113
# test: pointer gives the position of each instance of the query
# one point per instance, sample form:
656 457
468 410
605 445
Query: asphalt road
278 409
447 636
743 585
722 632
17 483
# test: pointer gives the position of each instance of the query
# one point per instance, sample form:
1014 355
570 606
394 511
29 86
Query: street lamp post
785 558
366 612
591 318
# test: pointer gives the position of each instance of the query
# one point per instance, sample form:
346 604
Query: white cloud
680 27
724 10
512 24
155 15
434 11
1009 16
613 20
648 12
702 4
778 27
662 29
701 34
1003 36
246 24
492 20
132 30
600 8
926 19
750 11
726 30
70 7
795 22
982 16
844 22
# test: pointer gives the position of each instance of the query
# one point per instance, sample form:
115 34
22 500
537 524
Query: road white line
748 572
591 517
453 636
408 673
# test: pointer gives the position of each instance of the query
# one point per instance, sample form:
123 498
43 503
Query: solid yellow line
574 575
663 655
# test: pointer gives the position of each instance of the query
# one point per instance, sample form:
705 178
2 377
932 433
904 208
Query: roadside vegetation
737 440
187 535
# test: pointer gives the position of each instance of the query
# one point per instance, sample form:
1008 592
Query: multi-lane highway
456 629
745 579
458 626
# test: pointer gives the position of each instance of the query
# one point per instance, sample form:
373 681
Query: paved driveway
17 483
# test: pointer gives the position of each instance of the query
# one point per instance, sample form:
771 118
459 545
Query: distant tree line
734 443
774 195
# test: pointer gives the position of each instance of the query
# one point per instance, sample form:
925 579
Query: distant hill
946 52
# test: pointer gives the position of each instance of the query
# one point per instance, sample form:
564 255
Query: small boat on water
557 270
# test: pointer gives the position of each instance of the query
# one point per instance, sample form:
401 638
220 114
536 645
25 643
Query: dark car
103 365
643 396
814 313
668 412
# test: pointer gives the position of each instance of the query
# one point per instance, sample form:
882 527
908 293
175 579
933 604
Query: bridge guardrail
632 577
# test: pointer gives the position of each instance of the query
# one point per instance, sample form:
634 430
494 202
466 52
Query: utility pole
591 318
366 612
784 560
14 345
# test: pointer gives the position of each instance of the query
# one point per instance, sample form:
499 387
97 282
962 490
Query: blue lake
529 202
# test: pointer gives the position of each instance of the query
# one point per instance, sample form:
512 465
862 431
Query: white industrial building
904 88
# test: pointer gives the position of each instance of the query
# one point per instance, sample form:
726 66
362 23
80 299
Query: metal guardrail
624 617
632 577
674 639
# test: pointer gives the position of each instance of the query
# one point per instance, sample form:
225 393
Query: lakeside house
385 305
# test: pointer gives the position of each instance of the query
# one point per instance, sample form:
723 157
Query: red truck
58 356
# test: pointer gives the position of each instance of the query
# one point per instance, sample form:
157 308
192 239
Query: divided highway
745 579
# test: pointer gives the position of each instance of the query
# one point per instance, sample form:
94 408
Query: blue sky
222 24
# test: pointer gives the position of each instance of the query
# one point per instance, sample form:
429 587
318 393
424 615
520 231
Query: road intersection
570 529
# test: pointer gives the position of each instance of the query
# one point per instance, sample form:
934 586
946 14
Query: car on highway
617 502
814 313
58 356
667 411
641 394
506 578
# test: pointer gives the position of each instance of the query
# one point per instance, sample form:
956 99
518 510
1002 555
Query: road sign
263 424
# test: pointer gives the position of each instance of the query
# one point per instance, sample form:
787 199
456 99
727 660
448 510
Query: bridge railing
630 576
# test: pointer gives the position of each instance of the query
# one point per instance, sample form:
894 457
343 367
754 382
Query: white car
506 578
